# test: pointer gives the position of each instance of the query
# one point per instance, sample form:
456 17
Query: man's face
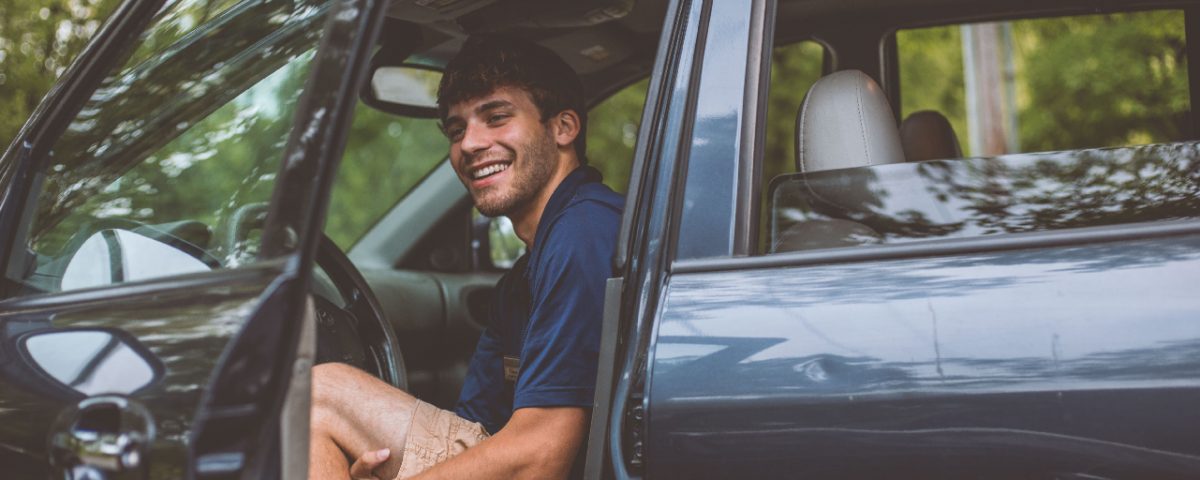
501 149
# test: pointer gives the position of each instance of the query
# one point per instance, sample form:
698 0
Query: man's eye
499 117
454 134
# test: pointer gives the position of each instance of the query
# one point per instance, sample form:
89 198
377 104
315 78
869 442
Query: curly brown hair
488 62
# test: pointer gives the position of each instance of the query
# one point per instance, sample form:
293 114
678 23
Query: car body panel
1080 359
186 324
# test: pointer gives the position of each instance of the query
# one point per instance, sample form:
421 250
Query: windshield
181 143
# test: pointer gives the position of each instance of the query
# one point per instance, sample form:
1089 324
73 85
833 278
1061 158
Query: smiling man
515 117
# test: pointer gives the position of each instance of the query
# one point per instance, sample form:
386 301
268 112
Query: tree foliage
1081 82
38 40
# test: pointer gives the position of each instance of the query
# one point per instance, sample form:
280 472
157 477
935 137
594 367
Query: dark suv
918 238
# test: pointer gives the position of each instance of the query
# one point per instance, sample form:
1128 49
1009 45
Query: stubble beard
536 168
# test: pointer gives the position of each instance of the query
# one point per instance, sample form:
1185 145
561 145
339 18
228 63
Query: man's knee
337 387
331 383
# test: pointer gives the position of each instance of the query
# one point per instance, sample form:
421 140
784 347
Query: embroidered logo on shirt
512 367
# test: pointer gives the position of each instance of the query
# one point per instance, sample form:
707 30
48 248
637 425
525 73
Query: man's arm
539 442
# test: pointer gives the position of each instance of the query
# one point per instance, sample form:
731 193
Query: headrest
845 122
927 135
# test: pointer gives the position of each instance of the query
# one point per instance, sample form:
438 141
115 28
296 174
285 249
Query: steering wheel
359 332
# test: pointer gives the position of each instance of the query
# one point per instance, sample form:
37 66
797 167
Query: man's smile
488 170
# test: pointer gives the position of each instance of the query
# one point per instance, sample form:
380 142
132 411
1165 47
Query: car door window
177 151
1038 85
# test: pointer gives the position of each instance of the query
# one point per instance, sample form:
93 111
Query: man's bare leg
353 413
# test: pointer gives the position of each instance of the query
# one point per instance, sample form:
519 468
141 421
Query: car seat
927 135
844 122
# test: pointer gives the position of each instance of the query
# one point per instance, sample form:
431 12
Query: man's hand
364 467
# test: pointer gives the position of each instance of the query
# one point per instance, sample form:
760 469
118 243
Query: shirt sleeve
562 343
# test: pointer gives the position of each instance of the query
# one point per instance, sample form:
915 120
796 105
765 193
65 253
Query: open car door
159 220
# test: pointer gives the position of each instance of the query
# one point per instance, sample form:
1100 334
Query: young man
515 117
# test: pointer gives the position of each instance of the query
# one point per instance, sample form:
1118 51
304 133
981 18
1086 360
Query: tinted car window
169 166
905 202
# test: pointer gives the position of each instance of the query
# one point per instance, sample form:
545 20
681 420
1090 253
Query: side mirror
114 256
92 361
408 89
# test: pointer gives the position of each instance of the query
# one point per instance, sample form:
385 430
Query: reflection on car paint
909 346
187 334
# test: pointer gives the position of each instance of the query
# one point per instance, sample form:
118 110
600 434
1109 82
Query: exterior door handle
102 438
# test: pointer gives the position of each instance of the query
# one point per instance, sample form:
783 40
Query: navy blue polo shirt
547 310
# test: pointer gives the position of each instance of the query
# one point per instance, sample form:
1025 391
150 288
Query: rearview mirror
409 90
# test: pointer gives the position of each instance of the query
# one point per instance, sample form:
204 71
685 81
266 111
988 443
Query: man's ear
565 126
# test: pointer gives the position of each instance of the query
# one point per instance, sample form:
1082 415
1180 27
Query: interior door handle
102 437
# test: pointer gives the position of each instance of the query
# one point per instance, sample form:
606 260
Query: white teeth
489 170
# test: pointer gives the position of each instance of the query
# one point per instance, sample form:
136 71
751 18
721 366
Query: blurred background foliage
1092 81
1080 82
38 39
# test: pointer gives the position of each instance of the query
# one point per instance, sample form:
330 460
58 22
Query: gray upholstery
845 122
927 135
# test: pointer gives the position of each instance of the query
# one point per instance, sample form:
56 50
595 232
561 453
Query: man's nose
475 138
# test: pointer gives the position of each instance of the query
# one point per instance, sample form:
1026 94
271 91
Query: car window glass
178 18
1051 83
1019 193
180 147
1059 86
386 156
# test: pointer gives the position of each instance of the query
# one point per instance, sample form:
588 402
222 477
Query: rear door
160 215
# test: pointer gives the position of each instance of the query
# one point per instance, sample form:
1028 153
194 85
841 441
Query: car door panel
1072 359
185 323
226 339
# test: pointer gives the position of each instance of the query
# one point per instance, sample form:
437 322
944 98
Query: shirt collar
562 197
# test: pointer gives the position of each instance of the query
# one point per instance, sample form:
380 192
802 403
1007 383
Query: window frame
884 65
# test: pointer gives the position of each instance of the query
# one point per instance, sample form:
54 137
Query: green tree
1081 81
38 40
612 134
1103 80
